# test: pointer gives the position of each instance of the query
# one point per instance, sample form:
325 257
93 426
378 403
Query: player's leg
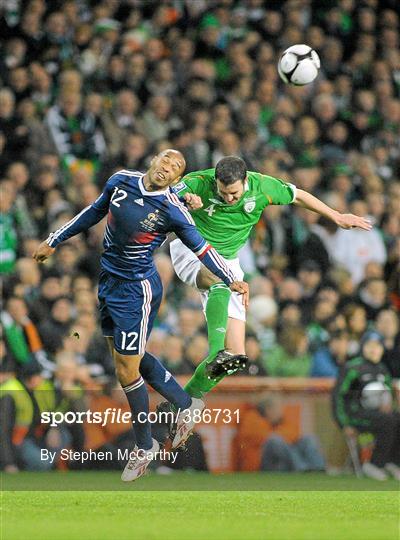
190 270
224 331
128 374
216 298
216 311
235 336
155 374
216 308
141 303
162 381
125 310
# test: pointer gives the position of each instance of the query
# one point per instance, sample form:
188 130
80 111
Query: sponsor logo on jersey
167 376
139 201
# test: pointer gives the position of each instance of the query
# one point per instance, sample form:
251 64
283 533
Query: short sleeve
277 191
190 183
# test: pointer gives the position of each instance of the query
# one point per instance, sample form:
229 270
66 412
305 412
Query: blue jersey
138 222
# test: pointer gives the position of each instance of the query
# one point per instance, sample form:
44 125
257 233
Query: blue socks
138 399
163 382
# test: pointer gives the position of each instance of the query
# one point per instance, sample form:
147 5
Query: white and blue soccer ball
299 65
375 395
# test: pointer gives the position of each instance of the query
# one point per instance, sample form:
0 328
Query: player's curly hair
230 169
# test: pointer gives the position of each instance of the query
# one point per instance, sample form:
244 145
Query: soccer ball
374 395
298 65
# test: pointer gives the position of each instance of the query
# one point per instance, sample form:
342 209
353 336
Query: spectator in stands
373 296
290 357
363 401
256 363
22 337
8 224
328 359
22 434
53 329
355 250
173 356
356 320
387 324
76 134
269 434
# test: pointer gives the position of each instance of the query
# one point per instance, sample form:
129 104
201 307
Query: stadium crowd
89 87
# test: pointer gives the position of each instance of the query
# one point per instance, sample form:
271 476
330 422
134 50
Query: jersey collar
151 193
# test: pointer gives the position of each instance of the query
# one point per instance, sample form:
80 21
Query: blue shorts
128 310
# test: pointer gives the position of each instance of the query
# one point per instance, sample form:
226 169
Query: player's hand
350 221
193 201
241 287
43 252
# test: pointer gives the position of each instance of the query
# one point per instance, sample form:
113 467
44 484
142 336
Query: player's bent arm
81 222
208 256
181 222
346 221
215 263
192 201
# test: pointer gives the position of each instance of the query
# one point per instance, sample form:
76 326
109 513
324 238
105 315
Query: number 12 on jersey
122 194
129 346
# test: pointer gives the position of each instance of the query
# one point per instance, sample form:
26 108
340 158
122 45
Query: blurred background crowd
89 87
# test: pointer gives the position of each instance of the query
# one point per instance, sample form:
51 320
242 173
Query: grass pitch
224 507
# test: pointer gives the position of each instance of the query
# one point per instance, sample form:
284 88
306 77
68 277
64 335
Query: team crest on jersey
149 224
249 205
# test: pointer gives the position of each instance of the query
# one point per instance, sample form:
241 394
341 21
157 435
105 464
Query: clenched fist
193 201
43 252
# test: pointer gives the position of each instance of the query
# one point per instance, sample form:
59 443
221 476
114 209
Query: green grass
295 507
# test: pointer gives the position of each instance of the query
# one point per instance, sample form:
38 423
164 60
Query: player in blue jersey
141 211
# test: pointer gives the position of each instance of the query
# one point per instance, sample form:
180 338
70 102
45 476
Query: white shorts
187 266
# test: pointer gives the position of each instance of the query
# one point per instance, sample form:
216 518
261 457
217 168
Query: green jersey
228 226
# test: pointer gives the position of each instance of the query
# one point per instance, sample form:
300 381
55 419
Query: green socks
217 322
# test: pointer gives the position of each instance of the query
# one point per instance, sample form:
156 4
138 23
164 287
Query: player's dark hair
230 169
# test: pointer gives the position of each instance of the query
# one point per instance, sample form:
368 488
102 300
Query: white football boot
139 461
185 422
372 471
393 470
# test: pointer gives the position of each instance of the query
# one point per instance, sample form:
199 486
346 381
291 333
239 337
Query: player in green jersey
232 201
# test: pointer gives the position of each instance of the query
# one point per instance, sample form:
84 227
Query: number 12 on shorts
128 340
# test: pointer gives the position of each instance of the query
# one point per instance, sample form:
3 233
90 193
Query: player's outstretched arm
89 216
345 221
